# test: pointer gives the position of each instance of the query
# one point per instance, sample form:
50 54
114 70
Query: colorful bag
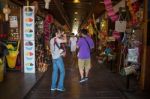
116 35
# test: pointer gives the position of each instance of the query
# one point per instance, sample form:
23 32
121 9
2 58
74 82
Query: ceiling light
76 1
75 19
75 12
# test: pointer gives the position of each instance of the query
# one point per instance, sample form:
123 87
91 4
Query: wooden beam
62 12
89 15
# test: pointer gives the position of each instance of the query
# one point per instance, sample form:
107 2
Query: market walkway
102 84
16 85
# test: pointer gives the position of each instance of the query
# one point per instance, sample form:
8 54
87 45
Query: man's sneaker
86 78
58 89
82 80
53 89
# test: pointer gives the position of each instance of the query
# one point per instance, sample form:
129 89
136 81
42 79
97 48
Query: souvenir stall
120 37
43 32
131 47
106 47
10 35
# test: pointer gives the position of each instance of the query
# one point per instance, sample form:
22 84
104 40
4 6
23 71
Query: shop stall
120 37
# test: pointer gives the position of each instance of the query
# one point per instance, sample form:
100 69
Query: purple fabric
84 51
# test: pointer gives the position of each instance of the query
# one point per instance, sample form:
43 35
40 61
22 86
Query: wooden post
144 56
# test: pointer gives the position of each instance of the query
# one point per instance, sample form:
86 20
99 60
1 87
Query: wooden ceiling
69 13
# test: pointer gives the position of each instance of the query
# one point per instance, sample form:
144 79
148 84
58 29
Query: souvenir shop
118 35
24 36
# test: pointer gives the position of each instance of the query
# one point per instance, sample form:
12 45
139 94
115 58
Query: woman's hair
54 32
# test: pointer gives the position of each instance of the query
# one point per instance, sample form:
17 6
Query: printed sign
29 37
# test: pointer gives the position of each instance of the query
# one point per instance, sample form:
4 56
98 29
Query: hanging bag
120 24
133 54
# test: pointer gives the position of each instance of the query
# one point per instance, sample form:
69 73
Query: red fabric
47 22
49 18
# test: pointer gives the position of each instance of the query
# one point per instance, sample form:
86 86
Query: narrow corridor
102 84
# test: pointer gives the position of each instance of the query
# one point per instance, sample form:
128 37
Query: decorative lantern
6 11
47 3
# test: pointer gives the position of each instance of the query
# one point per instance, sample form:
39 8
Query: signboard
29 43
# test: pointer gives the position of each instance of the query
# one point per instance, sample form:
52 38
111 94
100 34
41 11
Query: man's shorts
84 63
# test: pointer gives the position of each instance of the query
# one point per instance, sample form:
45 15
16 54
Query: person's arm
64 39
92 43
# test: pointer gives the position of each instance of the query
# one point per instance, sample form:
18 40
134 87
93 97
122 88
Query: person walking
84 44
73 44
57 60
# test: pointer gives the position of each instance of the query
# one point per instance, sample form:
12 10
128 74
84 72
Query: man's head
56 33
84 32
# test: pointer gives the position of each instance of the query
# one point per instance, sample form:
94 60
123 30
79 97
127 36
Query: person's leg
54 75
87 67
60 64
81 68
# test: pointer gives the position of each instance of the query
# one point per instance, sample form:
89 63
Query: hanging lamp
6 11
47 4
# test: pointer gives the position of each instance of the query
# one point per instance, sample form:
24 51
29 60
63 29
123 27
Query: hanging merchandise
121 23
111 13
133 8
116 35
90 29
120 26
47 23
6 11
47 3
103 25
133 54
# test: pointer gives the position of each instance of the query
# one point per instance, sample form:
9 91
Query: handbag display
120 26
121 23
133 54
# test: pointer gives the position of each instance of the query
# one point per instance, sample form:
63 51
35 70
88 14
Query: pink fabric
116 35
106 2
109 8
